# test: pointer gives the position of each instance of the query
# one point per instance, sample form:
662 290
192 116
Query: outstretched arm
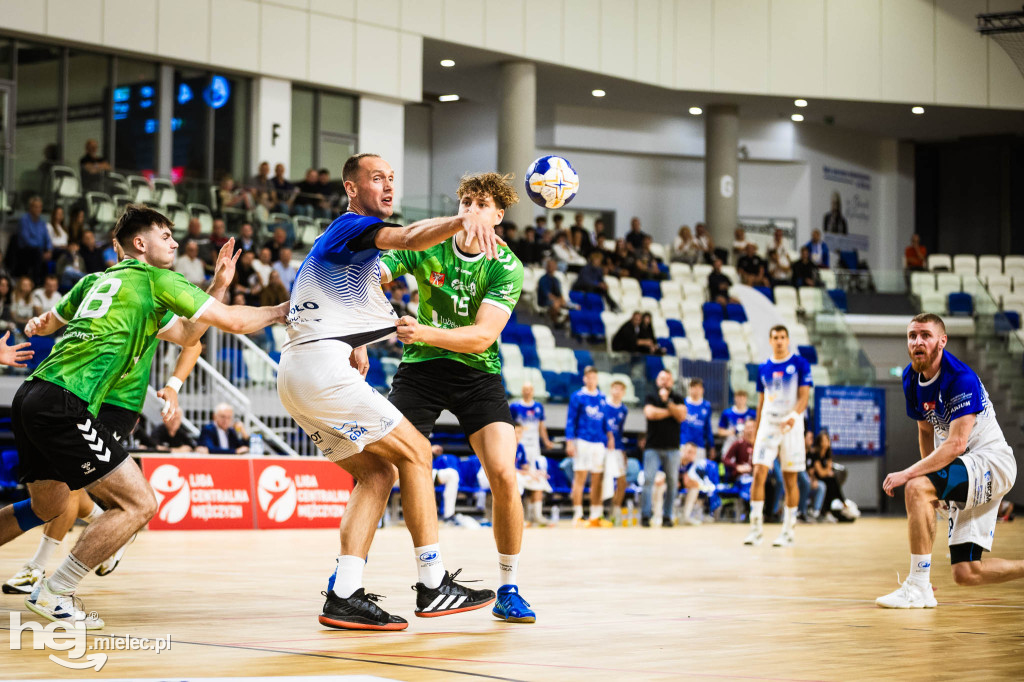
223 275
242 319
187 359
474 338
423 234
940 457
43 325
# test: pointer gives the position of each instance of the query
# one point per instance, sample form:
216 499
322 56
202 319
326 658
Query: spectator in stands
824 471
738 459
55 228
809 485
718 283
513 240
626 339
21 302
309 202
263 267
190 265
600 234
277 241
541 225
805 272
752 268
328 192
622 259
706 243
647 265
76 225
284 268
70 266
549 293
818 249
246 240
739 245
591 280
246 278
733 419
224 435
262 189
664 410
526 249
780 266
557 220
448 479
6 291
169 436
218 236
34 246
110 256
915 255
413 306
92 167
834 221
229 195
646 339
568 257
46 297
635 236
275 292
92 254
284 191
685 248
194 233
580 236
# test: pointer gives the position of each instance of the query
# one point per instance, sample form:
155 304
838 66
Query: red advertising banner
201 493
299 493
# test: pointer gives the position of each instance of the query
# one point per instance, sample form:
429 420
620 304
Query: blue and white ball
551 182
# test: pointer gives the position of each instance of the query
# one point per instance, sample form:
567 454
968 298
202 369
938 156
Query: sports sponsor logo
437 279
960 405
196 496
924 564
351 430
462 285
275 492
428 556
385 423
172 493
307 305
316 437
928 407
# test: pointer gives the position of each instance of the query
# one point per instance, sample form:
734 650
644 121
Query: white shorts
331 401
615 463
537 481
990 475
771 442
589 457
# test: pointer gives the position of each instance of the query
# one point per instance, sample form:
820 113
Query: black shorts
120 421
421 390
57 438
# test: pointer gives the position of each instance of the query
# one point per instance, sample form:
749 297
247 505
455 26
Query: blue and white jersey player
614 479
586 440
966 467
530 414
783 388
733 419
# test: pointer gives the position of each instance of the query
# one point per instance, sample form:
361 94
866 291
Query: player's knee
147 505
448 477
47 509
967 573
919 488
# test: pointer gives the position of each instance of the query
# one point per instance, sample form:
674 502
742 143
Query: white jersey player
966 466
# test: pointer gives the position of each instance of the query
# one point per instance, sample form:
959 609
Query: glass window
36 119
302 134
88 76
337 113
135 116
228 96
6 59
190 121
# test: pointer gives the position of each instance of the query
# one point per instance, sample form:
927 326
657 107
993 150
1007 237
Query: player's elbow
957 444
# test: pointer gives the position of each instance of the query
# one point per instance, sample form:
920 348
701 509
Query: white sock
67 576
596 511
348 576
691 499
508 565
577 512
96 512
756 513
789 519
921 568
429 565
45 551
538 511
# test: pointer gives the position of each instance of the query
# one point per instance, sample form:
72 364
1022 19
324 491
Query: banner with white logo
300 493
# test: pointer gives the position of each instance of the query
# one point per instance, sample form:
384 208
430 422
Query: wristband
175 383
794 416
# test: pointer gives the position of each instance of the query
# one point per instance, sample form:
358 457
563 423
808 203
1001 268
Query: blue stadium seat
719 351
530 358
735 312
663 268
768 292
752 371
838 297
650 287
808 353
666 343
583 358
469 467
593 302
569 382
712 311
9 469
579 325
557 384
654 365
446 461
849 259
513 318
376 376
961 304
510 334
1007 321
42 345
675 328
713 329
558 479
576 297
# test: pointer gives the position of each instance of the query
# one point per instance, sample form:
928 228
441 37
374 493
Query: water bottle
630 516
554 515
256 444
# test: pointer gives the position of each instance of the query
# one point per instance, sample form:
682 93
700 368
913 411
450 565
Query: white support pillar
517 126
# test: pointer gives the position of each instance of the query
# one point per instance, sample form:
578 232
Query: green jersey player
62 444
451 361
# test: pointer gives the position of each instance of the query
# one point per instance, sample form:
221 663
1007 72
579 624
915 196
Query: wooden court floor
632 603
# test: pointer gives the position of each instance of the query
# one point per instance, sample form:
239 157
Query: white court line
702 593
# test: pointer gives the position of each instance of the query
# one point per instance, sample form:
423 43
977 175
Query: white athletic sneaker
61 608
108 566
785 539
909 596
754 537
691 521
24 581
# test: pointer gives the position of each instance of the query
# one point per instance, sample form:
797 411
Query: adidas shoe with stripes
449 597
358 612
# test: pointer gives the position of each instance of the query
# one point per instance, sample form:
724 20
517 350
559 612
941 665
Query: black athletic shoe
667 522
449 597
645 522
358 612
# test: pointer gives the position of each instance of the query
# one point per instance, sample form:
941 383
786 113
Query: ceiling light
917 110
696 111
448 98
800 102
797 117
598 93
447 63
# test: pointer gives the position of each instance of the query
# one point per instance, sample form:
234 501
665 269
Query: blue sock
26 518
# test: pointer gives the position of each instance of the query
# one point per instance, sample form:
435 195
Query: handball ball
551 182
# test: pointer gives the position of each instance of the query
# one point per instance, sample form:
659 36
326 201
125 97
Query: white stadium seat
990 265
922 283
940 261
965 264
947 282
933 302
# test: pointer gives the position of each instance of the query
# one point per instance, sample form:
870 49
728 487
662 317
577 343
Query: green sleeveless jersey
130 391
452 287
114 325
